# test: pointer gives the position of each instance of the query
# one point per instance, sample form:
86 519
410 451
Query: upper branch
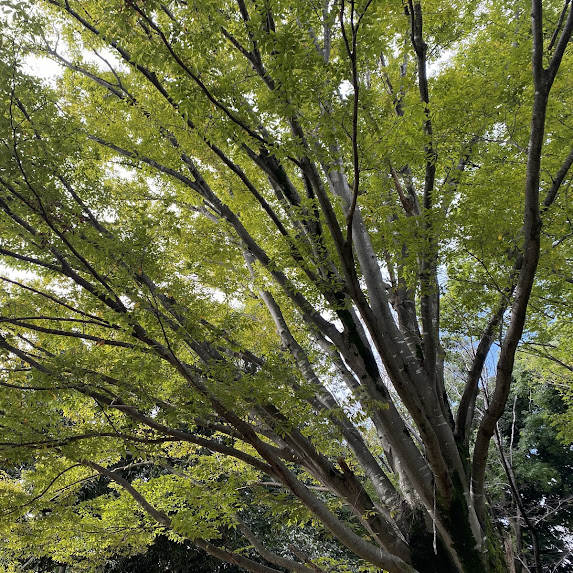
189 72
542 80
563 41
429 255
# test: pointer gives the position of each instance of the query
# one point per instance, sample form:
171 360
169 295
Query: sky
43 68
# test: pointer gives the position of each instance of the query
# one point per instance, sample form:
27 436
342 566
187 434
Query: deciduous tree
235 235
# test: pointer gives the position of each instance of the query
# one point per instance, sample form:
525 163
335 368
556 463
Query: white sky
43 68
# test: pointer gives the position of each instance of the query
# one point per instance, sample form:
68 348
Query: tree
535 475
236 236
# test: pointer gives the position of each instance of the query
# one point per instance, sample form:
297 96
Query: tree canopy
241 244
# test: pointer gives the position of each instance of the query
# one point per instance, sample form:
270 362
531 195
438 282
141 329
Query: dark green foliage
169 557
543 468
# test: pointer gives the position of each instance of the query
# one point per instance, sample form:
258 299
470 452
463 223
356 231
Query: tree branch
267 555
531 248
557 182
